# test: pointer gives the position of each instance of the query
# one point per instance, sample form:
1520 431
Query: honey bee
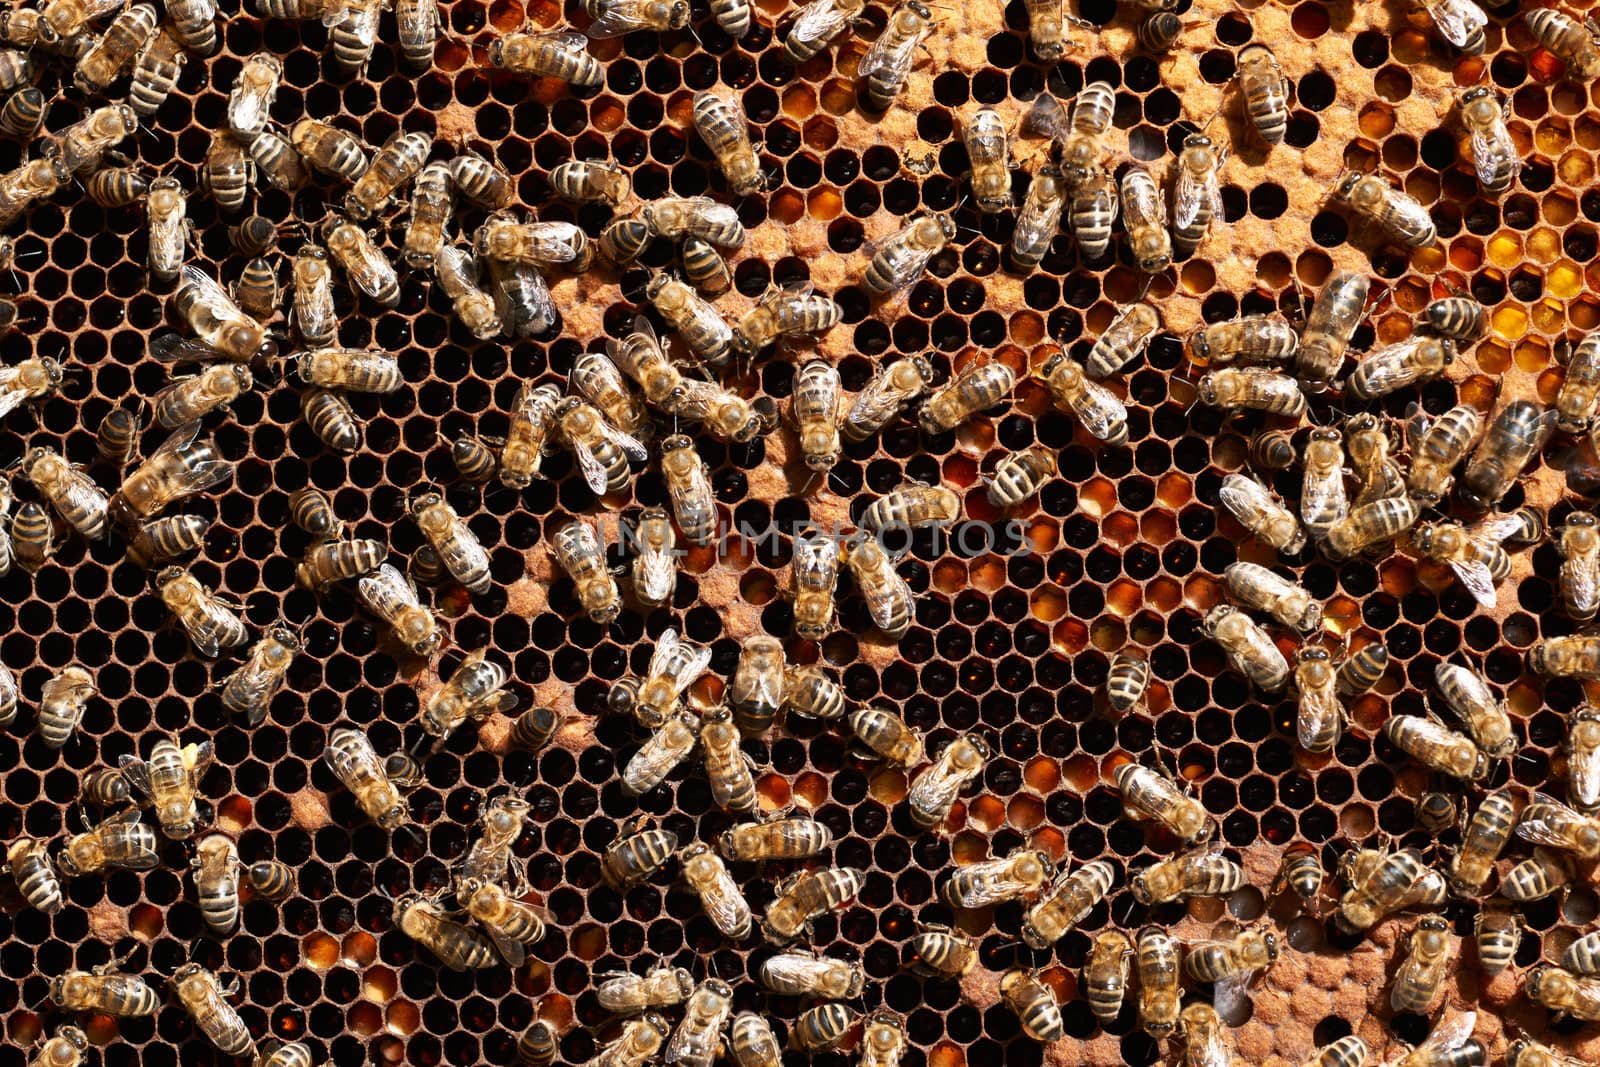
211 622
313 313
532 420
989 153
597 379
1266 92
221 327
689 489
105 61
1092 210
1475 556
65 1049
1159 996
1498 932
227 172
1494 156
1488 720
312 511
803 896
1019 475
1397 213
458 947
1068 902
641 1039
216 878
104 992
1348 1051
1579 397
698 1038
335 560
31 182
1577 656
934 792
1565 995
942 950
355 763
1254 505
22 115
1147 794
1370 525
328 149
640 357
29 381
820 1028
1515 435
1430 952
783 313
1105 974
1021 875
1369 445
1575 44
488 860
203 997
457 546
885 396
751 1042
277 161
170 229
667 747
1126 680
889 599
1436 448
512 926
1399 366
1329 327
121 842
1583 955
28 863
674 666
563 55
1035 1005
805 974
819 23
106 788
755 692
1197 195
1201 872
396 163
271 879
792 838
417 23
815 407
678 218
1435 746
366 268
1436 812
191 398
720 122
1040 217
885 66
901 257
1459 22
481 181
32 537
728 769
589 182
706 333
655 573
910 507
969 393
888 735
1159 31
1485 838
1526 1052
69 491
1547 821
254 89
1251 338
629 994
473 692
1250 651
1103 415
1301 871
62 703
579 554
503 238
1219 961
1144 215
432 204
82 146
623 240
631 860
1254 586
1380 883
725 414
1252 389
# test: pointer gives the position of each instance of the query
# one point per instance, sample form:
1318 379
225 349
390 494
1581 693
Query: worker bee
808 691
481 181
1023 874
1430 951
31 182
1105 974
1498 932
396 163
313 314
221 328
367 268
751 1042
1421 358
623 240
805 895
1515 435
885 66
1370 525
1583 758
563 55
1144 215
335 560
216 878
500 823
256 291
755 692
1197 196
667 747
588 182
1526 1052
203 997
277 161
1485 838
211 623
61 20
473 459
32 536
1266 92
271 879
1459 22
312 511
1329 327
674 666
1246 952
1250 651
820 1028
1147 794
632 859
1254 505
105 61
889 599
68 490
641 1039
943 950
934 791
1040 217
1436 747
65 1049
1547 821
888 735
1096 407
503 238
117 186
911 507
1252 389
1200 872
328 149
641 358
1159 996
723 413
804 974
1019 475
1068 902
792 838
579 554
254 89
973 391
106 788
1126 680
661 987
720 122
1436 812
819 23
1301 871
1251 338
121 842
1349 1051
22 115
655 573
689 489
698 1038
1575 44
1566 995
885 396
1123 341
901 257
193 23
1159 31
1035 1005
170 228
81 146
814 408
728 770
1379 883
62 703
457 546
28 862
1494 156
104 992
31 380
1254 586
474 692
1579 397
432 204
458 947
1583 955
1436 447
1475 555
791 311
1092 210
533 729
532 420
706 333
354 762
1488 720
989 154
227 172
331 418
1368 443
1395 212
815 571
1577 656
512 926
191 398
678 217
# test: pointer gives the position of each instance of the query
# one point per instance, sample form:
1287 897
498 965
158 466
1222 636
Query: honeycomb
1014 627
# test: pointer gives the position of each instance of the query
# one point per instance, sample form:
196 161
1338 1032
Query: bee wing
618 18
1046 118
1491 149
1495 529
1417 422
1098 409
418 20
882 607
174 348
1316 708
906 264
1476 577
594 472
1241 497
253 680
1451 1032
212 295
726 908
816 562
82 495
137 773
665 651
937 788
10 395
819 21
216 864
656 575
1458 20
1210 1051
1541 832
510 949
1191 194
629 445
567 40
206 642
386 590
1231 994
892 56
